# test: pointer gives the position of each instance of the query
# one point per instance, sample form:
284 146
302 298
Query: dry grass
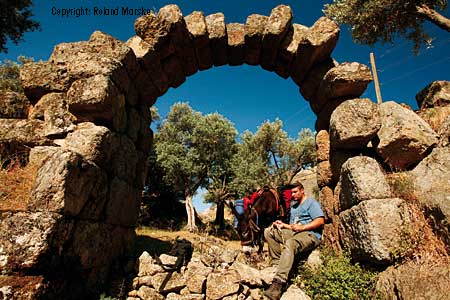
16 183
195 238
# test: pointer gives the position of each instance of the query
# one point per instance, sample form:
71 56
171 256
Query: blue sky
246 95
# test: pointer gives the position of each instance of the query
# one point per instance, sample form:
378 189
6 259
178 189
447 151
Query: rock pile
212 273
370 214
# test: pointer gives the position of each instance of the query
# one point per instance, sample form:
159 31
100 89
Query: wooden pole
375 78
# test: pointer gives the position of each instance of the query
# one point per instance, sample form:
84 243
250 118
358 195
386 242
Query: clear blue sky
246 95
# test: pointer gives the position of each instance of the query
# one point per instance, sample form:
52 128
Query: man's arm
314 224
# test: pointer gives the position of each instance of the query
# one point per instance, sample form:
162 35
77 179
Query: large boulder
435 94
375 229
346 80
432 177
25 237
444 133
416 280
97 99
362 179
404 138
354 123
94 143
68 184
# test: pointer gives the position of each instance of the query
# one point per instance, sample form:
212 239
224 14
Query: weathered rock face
347 80
404 138
435 116
435 94
374 229
323 145
13 105
432 176
362 179
430 281
354 123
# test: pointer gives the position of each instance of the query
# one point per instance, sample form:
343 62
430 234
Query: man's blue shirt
304 213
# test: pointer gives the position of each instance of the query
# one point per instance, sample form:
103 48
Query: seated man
303 233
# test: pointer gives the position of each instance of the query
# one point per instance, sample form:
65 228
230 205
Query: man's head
298 192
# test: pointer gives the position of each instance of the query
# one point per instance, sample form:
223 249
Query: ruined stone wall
85 125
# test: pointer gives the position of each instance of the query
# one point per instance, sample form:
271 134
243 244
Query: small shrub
17 182
336 279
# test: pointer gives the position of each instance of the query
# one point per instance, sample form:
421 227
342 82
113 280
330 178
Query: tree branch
424 11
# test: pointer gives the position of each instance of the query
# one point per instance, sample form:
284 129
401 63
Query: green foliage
191 148
9 74
15 20
337 279
375 21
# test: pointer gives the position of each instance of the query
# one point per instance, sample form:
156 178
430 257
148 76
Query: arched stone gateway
87 134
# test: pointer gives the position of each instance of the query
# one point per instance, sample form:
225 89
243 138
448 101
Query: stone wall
84 122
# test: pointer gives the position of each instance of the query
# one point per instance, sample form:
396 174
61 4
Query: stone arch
88 128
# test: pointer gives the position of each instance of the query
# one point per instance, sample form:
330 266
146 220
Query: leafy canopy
191 147
373 21
15 20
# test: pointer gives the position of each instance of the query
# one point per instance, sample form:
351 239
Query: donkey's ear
233 208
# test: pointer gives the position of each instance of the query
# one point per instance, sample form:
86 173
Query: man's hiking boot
275 290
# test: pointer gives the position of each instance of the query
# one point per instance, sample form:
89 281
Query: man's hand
280 225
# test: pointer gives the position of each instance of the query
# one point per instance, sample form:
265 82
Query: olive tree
373 21
193 148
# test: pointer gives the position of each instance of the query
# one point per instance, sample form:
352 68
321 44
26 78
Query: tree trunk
220 215
433 16
191 227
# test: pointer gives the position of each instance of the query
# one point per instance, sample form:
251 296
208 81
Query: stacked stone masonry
83 121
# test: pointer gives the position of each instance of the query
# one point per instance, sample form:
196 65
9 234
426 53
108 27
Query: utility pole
375 78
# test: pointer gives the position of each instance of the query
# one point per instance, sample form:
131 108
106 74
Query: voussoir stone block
347 80
236 44
322 145
156 32
374 229
354 123
314 77
217 33
288 49
404 138
171 66
362 179
151 60
320 41
180 38
277 27
254 30
196 25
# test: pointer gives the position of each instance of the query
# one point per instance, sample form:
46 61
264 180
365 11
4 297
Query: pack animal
257 216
